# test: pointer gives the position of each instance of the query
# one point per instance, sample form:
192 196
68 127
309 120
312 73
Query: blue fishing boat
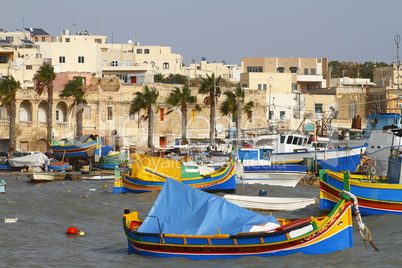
376 195
82 147
186 222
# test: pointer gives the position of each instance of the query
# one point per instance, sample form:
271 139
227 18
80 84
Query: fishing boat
113 159
267 203
294 148
41 177
376 194
55 164
82 147
186 222
256 167
149 173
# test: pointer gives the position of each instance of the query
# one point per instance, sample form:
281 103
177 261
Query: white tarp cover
32 160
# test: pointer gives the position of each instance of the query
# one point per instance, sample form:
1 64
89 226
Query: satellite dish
130 42
219 128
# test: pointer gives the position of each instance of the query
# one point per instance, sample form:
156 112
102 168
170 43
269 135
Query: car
4 158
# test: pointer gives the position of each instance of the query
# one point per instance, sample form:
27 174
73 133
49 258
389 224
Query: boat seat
294 224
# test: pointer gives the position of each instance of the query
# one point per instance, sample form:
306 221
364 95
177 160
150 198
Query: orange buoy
72 230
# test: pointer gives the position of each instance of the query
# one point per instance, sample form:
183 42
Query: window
318 108
87 112
132 116
193 114
58 115
109 113
165 65
62 59
80 59
43 39
280 69
83 79
67 40
28 67
254 69
293 69
259 86
36 39
264 86
250 116
282 114
146 51
306 71
127 63
139 51
312 71
294 86
162 114
99 41
352 109
10 39
38 56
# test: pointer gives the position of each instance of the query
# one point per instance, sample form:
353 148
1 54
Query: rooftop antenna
397 39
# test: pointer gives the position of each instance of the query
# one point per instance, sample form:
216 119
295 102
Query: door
133 79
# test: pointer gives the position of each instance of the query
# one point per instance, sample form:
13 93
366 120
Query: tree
44 82
76 89
160 78
210 86
182 97
146 100
8 90
234 104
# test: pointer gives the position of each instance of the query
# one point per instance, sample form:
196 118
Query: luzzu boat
81 147
186 222
376 195
149 173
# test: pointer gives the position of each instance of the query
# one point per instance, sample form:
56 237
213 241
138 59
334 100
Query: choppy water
46 210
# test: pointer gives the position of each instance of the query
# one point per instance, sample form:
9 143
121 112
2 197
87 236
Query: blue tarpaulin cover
182 209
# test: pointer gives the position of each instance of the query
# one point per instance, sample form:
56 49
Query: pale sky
226 30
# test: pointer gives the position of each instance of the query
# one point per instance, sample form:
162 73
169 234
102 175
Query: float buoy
104 186
17 178
74 231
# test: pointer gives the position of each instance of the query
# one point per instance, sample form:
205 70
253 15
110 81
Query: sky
227 30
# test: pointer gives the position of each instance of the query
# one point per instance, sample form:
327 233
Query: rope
363 229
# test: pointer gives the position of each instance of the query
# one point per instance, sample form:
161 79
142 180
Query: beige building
229 72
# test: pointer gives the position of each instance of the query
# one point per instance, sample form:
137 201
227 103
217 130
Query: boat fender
262 193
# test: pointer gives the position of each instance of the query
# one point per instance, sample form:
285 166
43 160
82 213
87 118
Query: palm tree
233 105
182 97
8 90
44 81
146 100
210 86
75 88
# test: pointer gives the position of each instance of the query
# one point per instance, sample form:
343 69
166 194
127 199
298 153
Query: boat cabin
256 156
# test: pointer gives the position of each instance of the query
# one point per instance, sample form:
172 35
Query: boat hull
41 177
224 179
325 236
335 159
275 178
373 198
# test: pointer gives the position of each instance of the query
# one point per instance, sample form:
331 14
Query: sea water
46 210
